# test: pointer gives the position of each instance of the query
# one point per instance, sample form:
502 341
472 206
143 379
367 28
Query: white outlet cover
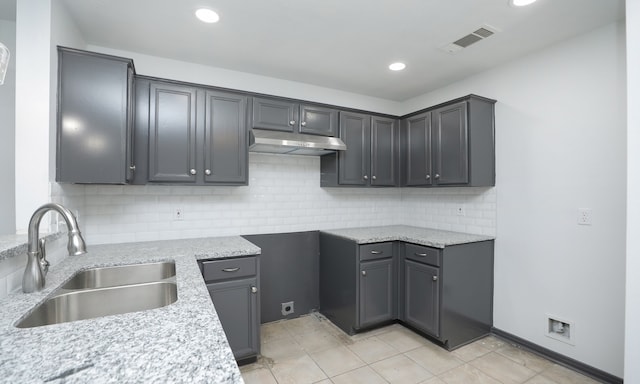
460 210
585 216
178 214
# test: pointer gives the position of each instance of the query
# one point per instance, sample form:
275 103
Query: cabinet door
277 115
355 131
225 134
94 118
172 133
384 151
422 297
418 150
237 308
376 292
451 144
318 120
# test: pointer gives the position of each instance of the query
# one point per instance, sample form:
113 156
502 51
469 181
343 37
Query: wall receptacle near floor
560 329
287 308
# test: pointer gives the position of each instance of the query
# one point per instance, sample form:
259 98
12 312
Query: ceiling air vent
479 34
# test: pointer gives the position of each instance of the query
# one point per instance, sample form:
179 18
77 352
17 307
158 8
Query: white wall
7 132
41 25
201 74
561 145
632 336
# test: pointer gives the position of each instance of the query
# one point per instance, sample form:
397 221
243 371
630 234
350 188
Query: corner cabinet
95 118
450 145
290 116
371 155
190 135
233 286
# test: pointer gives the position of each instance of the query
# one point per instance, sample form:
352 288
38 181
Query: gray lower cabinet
95 118
422 297
371 156
190 135
377 283
450 144
291 116
447 293
233 286
358 284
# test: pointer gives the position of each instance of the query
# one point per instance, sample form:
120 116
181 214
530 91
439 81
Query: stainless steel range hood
261 140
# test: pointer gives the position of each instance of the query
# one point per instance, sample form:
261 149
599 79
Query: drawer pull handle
231 269
364 273
420 254
254 290
435 278
376 252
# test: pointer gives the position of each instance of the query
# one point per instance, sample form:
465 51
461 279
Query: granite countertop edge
181 342
418 235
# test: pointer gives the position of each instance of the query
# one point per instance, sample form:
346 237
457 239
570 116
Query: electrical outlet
287 308
178 214
585 216
460 210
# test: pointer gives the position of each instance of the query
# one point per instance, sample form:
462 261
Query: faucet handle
43 256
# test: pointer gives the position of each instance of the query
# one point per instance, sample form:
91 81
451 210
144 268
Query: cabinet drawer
422 254
376 251
228 268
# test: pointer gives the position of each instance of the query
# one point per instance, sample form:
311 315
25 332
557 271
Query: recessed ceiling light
521 3
207 16
397 66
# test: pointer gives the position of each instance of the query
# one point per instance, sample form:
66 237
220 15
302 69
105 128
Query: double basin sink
104 291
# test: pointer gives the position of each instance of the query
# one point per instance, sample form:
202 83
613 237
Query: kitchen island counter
181 342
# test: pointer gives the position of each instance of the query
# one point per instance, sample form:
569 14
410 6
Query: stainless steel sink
91 303
121 275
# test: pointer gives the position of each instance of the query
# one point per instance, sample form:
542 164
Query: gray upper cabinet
290 116
225 144
371 158
451 149
172 133
353 164
451 144
384 151
417 149
95 118
190 135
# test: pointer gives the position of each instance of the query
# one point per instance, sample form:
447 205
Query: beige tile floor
310 349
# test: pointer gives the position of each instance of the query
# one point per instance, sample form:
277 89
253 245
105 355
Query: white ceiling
341 44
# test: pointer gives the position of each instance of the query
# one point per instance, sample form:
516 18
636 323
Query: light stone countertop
13 245
182 342
423 236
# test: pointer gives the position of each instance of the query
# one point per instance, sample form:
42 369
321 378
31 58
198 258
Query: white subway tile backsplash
283 195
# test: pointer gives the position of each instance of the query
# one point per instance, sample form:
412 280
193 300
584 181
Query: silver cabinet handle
420 254
192 171
292 122
207 172
254 289
373 177
435 278
428 177
364 273
437 176
366 177
304 123
132 167
376 252
231 269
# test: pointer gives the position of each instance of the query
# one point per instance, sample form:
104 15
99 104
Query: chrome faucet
37 264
